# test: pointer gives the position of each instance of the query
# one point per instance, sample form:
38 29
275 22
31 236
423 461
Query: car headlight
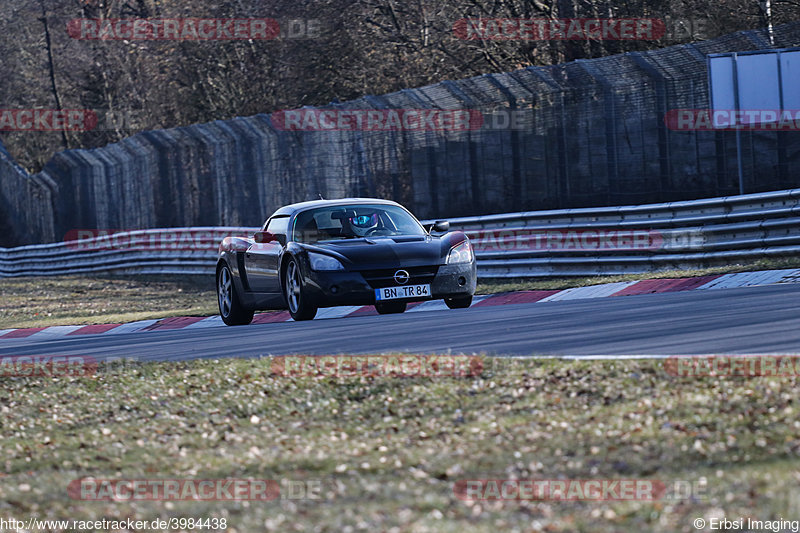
461 253
320 262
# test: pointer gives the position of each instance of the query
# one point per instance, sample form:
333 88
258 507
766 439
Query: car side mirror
441 226
264 237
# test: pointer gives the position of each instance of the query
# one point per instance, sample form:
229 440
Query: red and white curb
648 286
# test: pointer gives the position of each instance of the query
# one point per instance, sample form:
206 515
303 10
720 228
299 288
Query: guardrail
571 242
676 235
153 251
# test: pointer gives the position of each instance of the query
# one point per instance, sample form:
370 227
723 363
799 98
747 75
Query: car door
263 259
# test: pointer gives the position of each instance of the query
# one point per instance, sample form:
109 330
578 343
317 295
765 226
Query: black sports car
356 251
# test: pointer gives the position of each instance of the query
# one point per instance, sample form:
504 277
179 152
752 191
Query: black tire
390 308
299 306
461 302
230 308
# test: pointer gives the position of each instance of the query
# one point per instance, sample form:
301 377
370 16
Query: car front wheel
299 306
230 308
461 302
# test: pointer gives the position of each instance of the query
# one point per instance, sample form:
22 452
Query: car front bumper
331 289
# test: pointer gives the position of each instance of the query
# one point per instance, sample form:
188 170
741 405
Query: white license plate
406 291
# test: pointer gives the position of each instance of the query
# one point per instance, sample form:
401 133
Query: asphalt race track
753 320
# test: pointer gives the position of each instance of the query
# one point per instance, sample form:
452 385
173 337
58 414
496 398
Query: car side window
278 226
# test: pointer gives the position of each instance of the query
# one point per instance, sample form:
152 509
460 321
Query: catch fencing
559 243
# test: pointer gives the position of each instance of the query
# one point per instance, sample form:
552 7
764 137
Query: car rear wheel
299 306
461 302
390 308
230 308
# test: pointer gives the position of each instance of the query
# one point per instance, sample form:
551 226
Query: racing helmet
363 222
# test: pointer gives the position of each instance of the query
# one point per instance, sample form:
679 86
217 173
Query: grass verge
73 300
387 452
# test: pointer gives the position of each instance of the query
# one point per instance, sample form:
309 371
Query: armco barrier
154 251
572 242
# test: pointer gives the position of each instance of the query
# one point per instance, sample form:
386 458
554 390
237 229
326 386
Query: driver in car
360 225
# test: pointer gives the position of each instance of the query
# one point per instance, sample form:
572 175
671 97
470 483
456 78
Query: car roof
302 206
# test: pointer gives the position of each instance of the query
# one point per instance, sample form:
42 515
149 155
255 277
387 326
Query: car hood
390 252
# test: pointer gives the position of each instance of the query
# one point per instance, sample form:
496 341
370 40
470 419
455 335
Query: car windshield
354 222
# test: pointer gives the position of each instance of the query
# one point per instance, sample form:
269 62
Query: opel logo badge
402 277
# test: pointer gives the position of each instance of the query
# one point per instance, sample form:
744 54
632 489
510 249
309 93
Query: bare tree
362 47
